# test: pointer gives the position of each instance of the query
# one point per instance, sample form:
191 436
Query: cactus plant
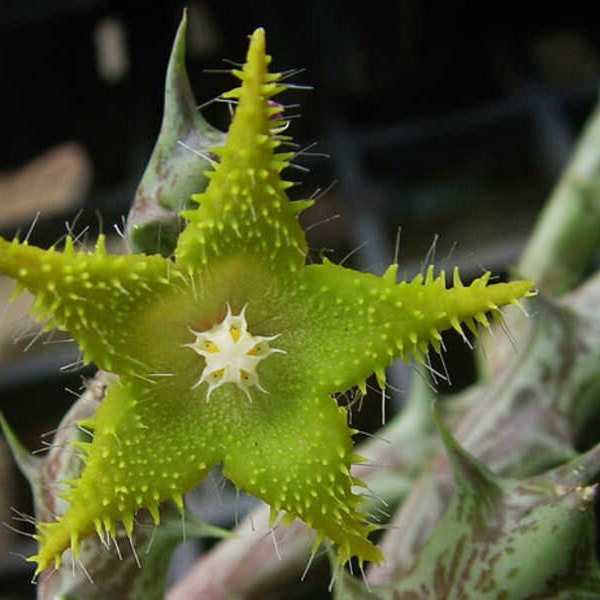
220 345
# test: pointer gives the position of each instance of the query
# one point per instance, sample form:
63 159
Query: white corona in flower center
232 353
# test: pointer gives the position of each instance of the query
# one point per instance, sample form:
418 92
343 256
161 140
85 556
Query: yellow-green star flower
229 352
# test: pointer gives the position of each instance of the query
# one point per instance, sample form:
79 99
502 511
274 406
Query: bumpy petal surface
230 353
245 210
96 297
296 452
143 452
358 323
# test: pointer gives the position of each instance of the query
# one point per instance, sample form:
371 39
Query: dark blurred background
434 111
447 119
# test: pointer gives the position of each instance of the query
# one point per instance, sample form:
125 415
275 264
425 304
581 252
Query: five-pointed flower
231 351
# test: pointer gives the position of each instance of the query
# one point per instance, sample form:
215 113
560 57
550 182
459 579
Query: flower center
232 353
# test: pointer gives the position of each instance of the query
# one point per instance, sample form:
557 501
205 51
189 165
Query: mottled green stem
504 538
177 165
527 418
562 244
567 234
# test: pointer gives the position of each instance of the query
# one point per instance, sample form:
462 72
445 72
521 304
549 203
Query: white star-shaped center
232 354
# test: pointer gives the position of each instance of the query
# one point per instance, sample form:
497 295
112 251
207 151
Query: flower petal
358 323
245 209
94 296
296 455
149 444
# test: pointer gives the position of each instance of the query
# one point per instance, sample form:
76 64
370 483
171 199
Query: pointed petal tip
258 37
533 291
257 48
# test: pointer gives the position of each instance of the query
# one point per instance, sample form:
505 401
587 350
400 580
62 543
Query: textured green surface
504 539
157 434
